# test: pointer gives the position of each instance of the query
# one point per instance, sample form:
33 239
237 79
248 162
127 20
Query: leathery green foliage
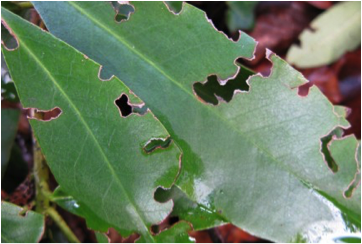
257 157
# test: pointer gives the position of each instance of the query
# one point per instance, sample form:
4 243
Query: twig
24 4
62 225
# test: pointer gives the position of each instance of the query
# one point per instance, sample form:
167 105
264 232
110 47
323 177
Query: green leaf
347 154
95 154
101 237
11 6
9 127
8 91
348 240
177 233
253 159
333 33
184 208
240 15
16 228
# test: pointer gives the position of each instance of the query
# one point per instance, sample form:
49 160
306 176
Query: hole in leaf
162 195
140 110
174 6
173 220
123 11
356 181
155 229
212 92
154 144
126 108
7 37
303 90
123 106
104 74
165 224
46 115
338 132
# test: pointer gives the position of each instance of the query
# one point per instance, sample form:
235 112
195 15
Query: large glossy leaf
16 228
333 33
96 155
9 126
256 160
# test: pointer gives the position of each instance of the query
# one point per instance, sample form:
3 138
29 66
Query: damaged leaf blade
94 152
16 228
255 158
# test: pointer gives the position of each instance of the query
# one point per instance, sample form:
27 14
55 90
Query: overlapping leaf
256 160
95 154
240 15
17 228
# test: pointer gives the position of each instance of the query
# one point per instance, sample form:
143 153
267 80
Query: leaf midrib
209 108
85 124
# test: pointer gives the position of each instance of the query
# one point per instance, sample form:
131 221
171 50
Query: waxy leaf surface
16 228
95 154
256 160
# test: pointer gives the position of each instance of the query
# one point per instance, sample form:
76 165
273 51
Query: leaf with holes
334 32
94 148
18 225
253 159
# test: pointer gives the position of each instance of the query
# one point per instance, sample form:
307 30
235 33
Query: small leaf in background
334 32
95 153
20 226
240 15
9 126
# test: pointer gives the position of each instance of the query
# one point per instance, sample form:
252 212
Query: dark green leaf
95 154
174 6
18 228
253 159
240 15
9 127
200 216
